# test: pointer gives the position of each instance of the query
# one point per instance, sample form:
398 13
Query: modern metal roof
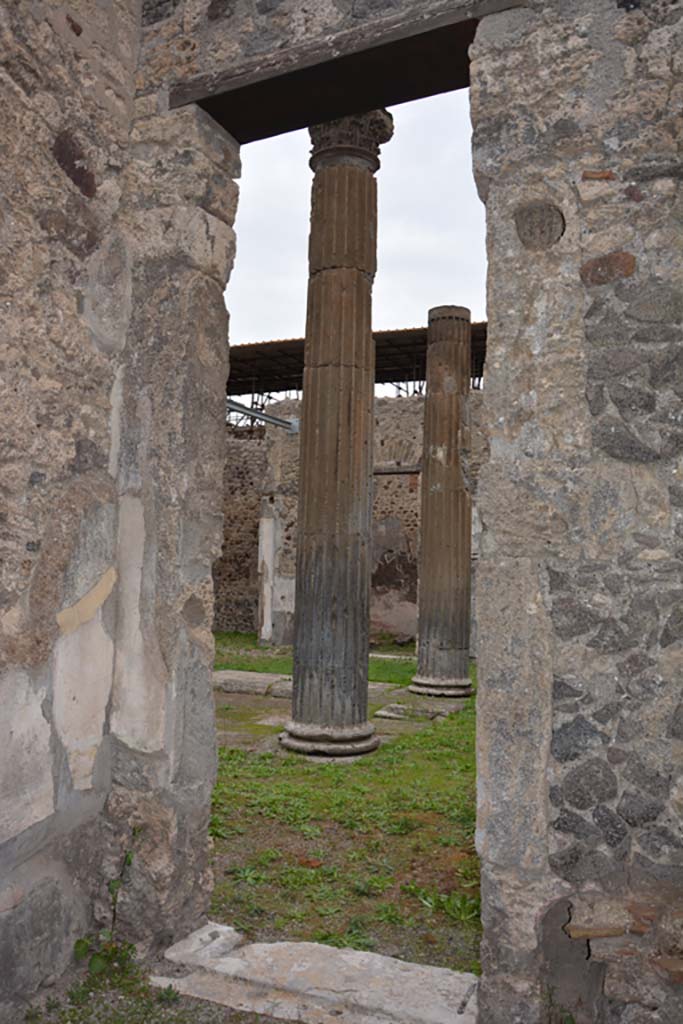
271 366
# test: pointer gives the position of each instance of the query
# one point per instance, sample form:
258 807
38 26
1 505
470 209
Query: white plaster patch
266 560
139 705
84 661
26 788
438 452
116 399
284 588
11 620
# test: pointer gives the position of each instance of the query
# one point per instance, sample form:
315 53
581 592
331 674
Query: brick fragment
598 176
605 269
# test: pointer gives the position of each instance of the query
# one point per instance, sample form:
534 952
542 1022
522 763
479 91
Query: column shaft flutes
330 703
446 512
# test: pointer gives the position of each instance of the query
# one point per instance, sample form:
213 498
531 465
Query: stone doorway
267 705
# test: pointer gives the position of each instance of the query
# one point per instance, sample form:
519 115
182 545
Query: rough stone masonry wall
66 92
396 515
580 747
398 441
116 245
235 574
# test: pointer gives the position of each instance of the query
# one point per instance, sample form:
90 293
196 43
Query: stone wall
116 245
398 440
235 574
396 515
577 134
66 87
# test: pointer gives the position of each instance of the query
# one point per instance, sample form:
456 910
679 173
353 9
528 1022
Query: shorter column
446 512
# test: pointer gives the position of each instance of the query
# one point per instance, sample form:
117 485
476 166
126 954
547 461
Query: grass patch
240 651
376 853
121 994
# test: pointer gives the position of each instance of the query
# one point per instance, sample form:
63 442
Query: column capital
353 139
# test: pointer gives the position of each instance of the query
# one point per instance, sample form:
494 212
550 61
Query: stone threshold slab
316 984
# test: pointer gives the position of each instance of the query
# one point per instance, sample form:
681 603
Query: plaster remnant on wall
116 399
69 619
266 565
84 661
139 699
26 787
108 300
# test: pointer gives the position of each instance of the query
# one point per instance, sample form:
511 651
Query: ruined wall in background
577 152
277 531
398 440
66 91
235 574
262 479
395 517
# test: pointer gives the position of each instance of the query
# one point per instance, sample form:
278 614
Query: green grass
376 853
123 995
240 651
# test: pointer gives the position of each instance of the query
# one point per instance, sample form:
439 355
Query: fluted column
446 512
335 478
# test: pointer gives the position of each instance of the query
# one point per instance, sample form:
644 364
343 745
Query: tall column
446 514
335 477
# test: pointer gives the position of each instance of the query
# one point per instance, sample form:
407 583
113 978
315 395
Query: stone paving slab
250 716
434 705
203 947
403 711
393 657
317 984
269 684
258 683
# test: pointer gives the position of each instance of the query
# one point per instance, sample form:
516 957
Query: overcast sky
431 226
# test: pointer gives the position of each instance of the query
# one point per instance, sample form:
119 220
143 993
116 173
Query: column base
329 741
432 687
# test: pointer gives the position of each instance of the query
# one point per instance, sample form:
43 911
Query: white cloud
431 226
